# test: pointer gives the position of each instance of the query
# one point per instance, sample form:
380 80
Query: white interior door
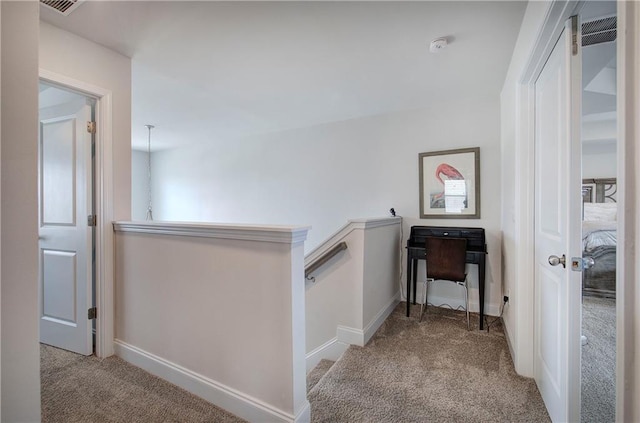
65 201
557 229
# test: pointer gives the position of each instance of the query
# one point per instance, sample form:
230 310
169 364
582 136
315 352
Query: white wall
139 185
217 310
335 298
20 353
355 291
599 160
381 272
74 57
327 174
518 312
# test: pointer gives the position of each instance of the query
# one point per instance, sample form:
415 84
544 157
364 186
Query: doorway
599 213
66 207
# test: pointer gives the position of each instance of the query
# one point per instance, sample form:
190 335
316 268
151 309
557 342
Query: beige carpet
409 372
427 372
318 372
599 360
89 390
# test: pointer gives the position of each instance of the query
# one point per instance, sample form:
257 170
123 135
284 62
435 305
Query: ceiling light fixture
437 45
149 209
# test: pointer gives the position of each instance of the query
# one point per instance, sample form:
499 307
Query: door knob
588 262
555 260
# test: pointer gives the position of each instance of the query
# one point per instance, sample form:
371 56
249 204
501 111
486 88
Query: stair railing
321 260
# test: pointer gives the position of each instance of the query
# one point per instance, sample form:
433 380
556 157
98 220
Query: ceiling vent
599 31
64 7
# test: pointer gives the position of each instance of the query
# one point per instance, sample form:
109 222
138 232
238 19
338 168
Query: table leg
408 285
414 280
481 267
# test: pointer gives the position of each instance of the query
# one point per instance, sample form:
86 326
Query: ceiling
207 72
599 84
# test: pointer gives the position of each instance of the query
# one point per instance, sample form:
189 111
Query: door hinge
92 220
574 35
91 127
92 313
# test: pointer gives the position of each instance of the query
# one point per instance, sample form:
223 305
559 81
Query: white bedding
597 234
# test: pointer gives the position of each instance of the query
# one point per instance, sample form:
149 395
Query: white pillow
600 211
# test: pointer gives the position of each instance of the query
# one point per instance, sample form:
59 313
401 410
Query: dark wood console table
476 254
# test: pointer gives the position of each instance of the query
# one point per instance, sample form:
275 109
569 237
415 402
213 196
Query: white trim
508 338
1 209
353 224
104 206
330 350
557 14
360 337
350 335
375 222
379 318
232 400
304 415
628 267
263 233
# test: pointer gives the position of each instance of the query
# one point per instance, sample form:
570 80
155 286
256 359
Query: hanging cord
489 323
149 209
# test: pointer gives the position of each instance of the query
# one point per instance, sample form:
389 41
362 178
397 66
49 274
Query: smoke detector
64 7
437 45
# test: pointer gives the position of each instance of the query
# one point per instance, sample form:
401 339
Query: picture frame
450 184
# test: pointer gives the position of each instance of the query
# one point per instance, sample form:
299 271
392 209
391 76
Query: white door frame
628 255
557 14
103 193
628 101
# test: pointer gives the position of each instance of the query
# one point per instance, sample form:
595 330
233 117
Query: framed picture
450 184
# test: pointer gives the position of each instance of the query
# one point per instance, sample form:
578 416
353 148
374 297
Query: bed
599 236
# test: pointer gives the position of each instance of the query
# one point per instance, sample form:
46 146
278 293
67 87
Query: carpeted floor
314 376
599 359
432 371
409 372
89 390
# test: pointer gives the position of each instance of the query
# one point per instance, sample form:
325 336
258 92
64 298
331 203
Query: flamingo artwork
444 172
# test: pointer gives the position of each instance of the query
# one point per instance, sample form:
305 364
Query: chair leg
424 289
423 306
466 302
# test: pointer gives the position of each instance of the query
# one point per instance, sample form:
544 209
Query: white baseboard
379 319
330 350
509 343
345 336
349 335
236 402
360 337
304 415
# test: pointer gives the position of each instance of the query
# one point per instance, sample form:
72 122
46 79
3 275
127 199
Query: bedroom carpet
433 371
599 359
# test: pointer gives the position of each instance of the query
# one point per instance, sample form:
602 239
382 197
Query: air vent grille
62 6
599 31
